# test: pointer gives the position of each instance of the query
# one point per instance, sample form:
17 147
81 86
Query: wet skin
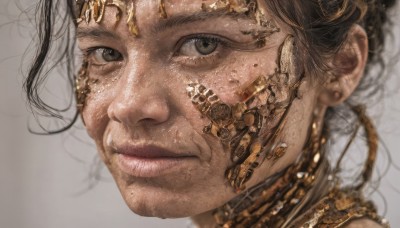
146 129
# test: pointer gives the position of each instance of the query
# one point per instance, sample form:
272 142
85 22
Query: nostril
134 110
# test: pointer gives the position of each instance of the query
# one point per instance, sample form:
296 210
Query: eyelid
221 40
89 52
256 44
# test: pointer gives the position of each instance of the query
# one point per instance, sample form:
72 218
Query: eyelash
100 69
201 60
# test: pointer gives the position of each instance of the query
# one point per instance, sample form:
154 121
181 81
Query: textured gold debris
251 9
240 126
82 86
88 10
272 202
161 9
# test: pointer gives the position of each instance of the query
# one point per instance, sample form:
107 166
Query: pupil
110 55
206 46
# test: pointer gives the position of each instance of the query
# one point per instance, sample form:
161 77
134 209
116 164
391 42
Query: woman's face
146 128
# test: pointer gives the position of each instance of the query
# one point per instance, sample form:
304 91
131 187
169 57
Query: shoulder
362 223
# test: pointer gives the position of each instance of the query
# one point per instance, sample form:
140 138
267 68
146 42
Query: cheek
95 112
238 72
190 122
296 129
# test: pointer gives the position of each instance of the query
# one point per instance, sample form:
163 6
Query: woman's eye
199 47
102 56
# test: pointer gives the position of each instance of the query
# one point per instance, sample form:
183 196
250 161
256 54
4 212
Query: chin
159 203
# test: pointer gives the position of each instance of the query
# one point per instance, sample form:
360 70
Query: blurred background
55 181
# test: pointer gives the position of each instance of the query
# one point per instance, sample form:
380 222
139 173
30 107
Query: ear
347 66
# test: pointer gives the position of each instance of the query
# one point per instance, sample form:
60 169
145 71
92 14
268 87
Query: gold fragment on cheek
210 105
254 88
88 10
82 86
240 126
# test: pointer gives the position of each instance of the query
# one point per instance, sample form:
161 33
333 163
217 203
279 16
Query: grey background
46 181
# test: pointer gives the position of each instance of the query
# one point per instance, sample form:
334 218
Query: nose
139 99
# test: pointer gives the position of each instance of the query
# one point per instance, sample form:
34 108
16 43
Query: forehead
156 9
188 5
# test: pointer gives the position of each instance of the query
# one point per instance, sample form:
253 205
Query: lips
149 151
150 161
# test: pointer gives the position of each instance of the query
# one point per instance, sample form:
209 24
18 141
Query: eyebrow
178 20
97 31
163 24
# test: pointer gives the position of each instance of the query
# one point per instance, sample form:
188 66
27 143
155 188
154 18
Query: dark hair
321 27
55 27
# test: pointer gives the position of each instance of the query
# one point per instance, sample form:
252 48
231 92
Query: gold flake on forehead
161 9
242 126
237 6
88 10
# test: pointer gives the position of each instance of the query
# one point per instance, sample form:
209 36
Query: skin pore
138 100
